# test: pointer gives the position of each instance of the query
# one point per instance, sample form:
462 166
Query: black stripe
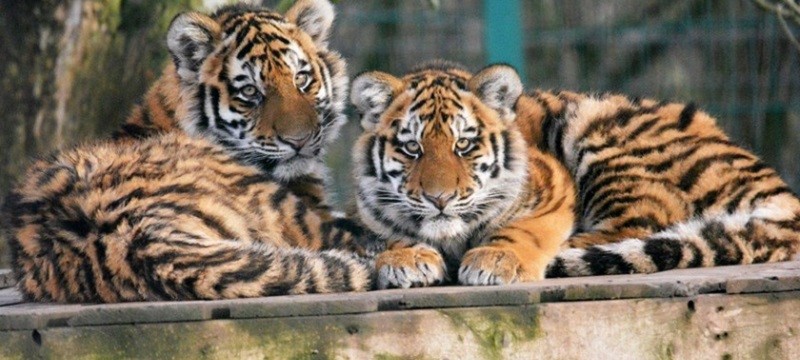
146 120
299 218
691 176
51 172
506 149
142 266
769 193
279 196
215 99
706 201
381 153
619 119
105 272
389 223
370 170
495 152
208 220
736 200
202 125
244 50
132 130
687 116
602 262
647 125
642 222
726 252
610 142
255 266
556 269
665 253
249 180
697 256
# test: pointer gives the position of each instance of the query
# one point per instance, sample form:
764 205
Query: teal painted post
503 33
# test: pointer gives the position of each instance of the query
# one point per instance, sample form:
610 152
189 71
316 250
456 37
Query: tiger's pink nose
441 199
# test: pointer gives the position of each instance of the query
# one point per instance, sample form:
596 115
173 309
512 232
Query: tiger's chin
298 166
443 228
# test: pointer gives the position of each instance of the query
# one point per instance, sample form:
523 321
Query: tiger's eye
412 147
301 79
249 91
463 144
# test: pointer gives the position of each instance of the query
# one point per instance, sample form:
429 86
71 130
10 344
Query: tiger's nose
296 142
441 199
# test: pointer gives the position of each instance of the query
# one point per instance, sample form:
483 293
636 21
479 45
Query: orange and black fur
659 186
215 190
447 181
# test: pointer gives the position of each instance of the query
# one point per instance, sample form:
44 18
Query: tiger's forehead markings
230 23
436 96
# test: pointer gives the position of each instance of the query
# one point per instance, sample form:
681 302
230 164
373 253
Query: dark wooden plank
764 278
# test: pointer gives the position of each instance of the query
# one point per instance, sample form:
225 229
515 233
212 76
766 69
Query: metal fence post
503 33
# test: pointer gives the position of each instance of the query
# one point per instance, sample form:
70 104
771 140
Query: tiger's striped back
166 219
660 186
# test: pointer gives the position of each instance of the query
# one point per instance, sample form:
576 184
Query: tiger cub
447 180
222 205
660 186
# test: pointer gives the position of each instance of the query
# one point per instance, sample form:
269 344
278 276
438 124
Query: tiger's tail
767 234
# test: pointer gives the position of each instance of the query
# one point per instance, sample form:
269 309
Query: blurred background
70 70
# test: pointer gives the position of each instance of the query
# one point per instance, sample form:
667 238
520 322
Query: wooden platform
740 312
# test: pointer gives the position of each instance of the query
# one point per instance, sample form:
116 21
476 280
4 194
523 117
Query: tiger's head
262 84
440 155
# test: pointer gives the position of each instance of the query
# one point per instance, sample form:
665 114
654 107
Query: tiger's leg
521 250
405 265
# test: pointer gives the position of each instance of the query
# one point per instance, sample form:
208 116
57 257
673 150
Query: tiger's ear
315 17
371 93
499 87
191 38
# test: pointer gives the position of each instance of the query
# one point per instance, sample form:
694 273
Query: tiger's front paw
494 266
415 266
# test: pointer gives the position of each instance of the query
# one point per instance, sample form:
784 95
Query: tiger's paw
416 266
494 266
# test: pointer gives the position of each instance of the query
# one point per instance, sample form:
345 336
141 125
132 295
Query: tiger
447 182
660 186
214 189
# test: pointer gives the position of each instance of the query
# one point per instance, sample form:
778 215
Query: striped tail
767 234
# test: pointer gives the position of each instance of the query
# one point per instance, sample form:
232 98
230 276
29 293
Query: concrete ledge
743 311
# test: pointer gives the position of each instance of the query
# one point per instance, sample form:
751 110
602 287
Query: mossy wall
71 70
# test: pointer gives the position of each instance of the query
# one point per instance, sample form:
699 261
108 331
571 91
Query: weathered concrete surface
727 312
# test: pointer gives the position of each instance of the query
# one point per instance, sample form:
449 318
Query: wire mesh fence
728 57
